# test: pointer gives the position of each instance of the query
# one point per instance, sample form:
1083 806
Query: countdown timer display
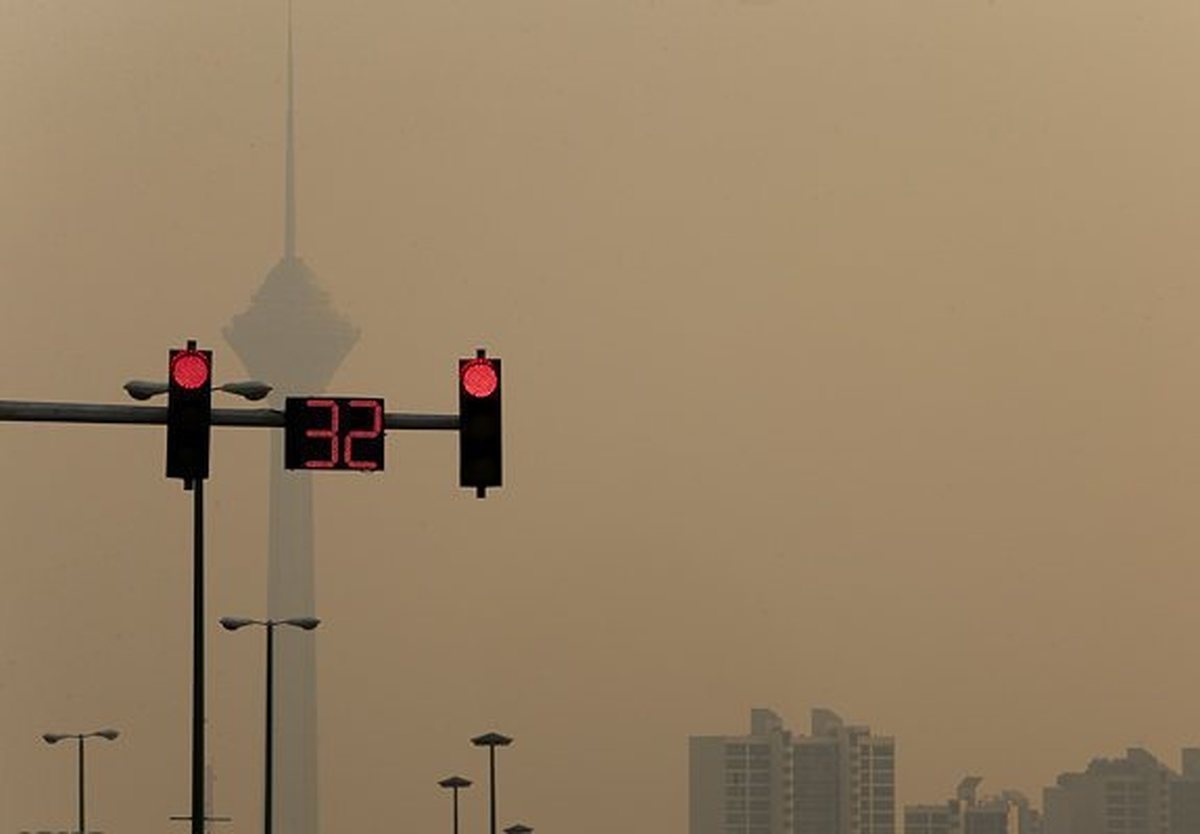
334 433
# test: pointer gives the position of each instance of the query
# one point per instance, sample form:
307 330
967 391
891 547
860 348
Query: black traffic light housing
479 435
189 413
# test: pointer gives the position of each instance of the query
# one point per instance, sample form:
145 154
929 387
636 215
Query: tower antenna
289 196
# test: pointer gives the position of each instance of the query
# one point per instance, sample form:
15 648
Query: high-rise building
817 777
1130 794
1136 794
741 784
871 791
838 780
845 779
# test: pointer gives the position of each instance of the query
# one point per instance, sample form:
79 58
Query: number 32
344 445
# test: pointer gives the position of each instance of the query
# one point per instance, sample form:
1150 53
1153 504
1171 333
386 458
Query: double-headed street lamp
251 389
141 389
233 624
454 783
491 741
55 738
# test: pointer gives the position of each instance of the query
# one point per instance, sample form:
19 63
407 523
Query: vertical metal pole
456 810
492 787
198 821
82 824
268 775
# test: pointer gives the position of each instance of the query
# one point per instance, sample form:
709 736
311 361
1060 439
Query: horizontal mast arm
40 412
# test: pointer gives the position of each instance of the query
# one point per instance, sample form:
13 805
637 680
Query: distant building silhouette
1132 793
967 813
838 780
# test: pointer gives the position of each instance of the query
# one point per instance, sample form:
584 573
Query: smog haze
851 358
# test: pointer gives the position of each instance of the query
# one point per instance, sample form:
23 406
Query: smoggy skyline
849 356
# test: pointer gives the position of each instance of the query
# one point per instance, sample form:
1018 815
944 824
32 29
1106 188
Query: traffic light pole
51 412
197 487
189 418
82 818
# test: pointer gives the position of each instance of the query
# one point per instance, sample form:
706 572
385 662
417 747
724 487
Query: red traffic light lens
479 378
189 369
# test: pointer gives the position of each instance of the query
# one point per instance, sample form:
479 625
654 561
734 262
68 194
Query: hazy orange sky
850 360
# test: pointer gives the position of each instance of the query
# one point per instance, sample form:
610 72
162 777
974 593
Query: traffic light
189 412
479 438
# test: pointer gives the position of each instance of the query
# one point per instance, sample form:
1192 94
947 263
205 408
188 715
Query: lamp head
491 740
251 389
54 738
234 623
107 733
306 623
455 782
142 389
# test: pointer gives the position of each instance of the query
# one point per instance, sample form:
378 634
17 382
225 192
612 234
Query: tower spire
289 195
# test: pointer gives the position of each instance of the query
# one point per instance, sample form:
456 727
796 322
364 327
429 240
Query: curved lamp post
491 741
233 624
454 783
55 738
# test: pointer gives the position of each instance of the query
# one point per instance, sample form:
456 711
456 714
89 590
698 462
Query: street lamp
454 783
491 741
55 738
233 624
518 829
141 389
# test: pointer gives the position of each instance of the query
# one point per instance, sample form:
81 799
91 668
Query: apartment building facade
839 779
